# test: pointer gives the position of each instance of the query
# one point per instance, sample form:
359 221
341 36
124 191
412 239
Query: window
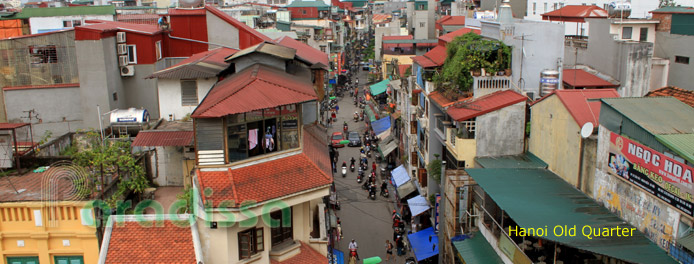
682 59
69 260
281 228
250 242
421 24
43 54
555 6
626 32
189 92
132 54
534 8
23 260
115 96
72 23
643 35
157 49
261 132
545 7
561 5
303 12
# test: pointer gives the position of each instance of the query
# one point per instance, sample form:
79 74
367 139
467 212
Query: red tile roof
304 51
307 255
683 95
575 13
398 37
376 18
444 102
104 26
272 179
579 105
154 138
61 187
454 20
581 78
434 58
484 104
205 64
450 36
145 242
403 69
256 87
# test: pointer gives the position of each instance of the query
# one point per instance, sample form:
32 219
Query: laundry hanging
252 138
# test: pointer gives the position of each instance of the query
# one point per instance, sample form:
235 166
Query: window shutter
259 241
244 245
423 177
189 92
413 158
413 127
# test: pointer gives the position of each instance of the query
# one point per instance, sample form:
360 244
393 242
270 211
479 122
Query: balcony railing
576 41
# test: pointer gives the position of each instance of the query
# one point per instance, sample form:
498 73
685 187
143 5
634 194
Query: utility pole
443 234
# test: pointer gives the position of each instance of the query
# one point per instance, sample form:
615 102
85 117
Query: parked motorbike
344 171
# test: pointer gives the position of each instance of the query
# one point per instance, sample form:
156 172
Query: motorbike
366 185
351 167
372 192
368 153
344 171
345 127
356 117
360 176
383 172
384 193
361 116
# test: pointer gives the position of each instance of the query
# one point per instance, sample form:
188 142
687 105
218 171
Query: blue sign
337 257
549 80
436 219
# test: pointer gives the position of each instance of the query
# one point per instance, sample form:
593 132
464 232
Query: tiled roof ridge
248 82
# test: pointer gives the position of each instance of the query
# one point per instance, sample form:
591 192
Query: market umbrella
332 97
344 142
372 260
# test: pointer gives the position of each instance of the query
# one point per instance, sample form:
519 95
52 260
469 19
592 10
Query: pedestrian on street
373 166
337 109
400 245
353 247
389 250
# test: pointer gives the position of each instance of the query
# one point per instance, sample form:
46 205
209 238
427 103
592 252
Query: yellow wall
464 149
62 221
402 60
555 138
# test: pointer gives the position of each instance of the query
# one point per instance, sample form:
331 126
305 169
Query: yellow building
40 224
555 131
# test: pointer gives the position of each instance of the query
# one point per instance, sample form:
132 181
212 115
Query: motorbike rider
384 187
344 164
352 161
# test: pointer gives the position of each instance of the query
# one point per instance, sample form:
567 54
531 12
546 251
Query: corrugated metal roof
484 104
476 250
103 25
581 78
657 115
575 13
523 161
444 102
268 48
687 241
156 138
674 9
536 198
201 65
683 144
305 52
66 11
450 36
379 87
301 3
424 62
579 105
452 20
683 95
256 87
9 126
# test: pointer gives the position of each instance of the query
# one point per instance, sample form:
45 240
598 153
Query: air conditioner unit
127 70
123 60
122 49
120 37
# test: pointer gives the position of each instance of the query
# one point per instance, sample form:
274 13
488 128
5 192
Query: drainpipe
579 183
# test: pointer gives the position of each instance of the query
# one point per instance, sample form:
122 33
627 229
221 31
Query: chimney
505 13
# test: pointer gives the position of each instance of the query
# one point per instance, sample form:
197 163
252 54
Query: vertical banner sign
652 171
436 218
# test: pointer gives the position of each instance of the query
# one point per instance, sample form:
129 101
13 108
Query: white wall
229 37
170 97
169 162
54 23
635 30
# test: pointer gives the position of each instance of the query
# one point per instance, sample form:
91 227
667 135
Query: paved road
365 220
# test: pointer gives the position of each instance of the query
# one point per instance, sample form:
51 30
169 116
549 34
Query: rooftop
685 96
579 104
575 13
303 3
444 102
307 255
158 138
584 79
664 115
268 48
452 35
305 52
30 187
434 58
64 11
675 10
484 104
256 87
105 26
201 65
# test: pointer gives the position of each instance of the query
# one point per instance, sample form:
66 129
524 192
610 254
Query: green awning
379 87
682 144
535 198
523 161
476 250
687 241
369 114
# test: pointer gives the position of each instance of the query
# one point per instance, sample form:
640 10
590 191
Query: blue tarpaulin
338 257
425 244
381 125
400 176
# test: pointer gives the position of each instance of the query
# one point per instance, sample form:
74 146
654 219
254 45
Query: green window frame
23 260
69 260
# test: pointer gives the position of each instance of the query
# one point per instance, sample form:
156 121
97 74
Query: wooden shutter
244 245
422 177
413 158
413 127
189 92
259 242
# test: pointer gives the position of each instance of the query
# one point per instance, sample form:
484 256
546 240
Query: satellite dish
587 130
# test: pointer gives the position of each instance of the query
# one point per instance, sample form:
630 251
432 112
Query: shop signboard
652 171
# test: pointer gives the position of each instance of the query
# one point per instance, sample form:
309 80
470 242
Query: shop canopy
385 151
537 198
418 205
404 190
400 176
475 249
381 125
369 114
379 87
424 244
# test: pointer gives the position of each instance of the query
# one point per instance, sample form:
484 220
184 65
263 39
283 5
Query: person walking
400 245
353 248
389 250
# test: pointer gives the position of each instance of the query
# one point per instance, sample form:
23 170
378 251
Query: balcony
463 148
483 85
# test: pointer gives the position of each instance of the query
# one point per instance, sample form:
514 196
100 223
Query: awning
523 161
476 250
379 87
384 134
406 189
381 125
537 197
424 244
396 83
385 151
369 114
418 205
396 115
400 175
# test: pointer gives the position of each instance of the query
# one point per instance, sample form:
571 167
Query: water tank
129 116
619 9
549 81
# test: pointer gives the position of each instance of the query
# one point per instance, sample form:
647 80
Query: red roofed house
555 132
257 144
447 24
685 96
574 17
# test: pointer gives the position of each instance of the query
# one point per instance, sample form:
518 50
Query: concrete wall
410 15
657 220
501 132
215 25
519 7
54 23
670 45
139 92
639 8
170 102
60 109
393 29
419 23
635 30
389 7
169 161
555 138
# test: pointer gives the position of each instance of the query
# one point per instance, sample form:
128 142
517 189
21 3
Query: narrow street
364 220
